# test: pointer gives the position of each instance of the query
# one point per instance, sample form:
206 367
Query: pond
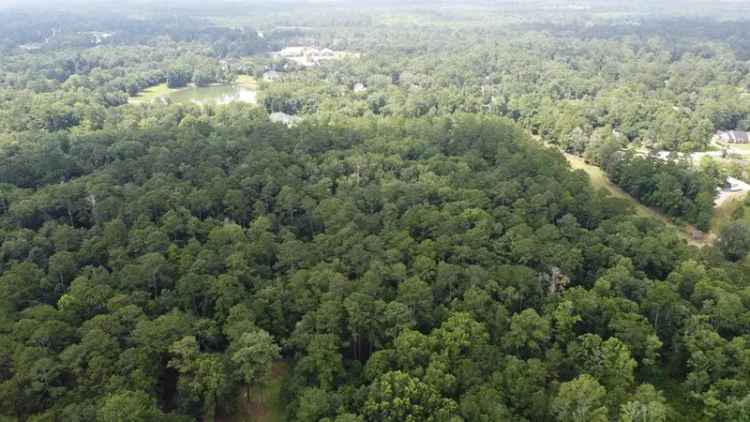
214 95
205 95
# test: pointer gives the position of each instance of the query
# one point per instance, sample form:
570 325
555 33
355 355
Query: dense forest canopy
412 246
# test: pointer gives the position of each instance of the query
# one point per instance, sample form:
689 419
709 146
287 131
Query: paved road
737 189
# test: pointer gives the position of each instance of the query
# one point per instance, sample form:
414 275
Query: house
292 52
359 87
733 137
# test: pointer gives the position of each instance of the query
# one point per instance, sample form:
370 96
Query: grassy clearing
744 148
266 403
600 180
150 94
273 405
725 214
246 81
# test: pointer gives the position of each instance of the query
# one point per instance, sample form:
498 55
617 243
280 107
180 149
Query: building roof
271 75
360 87
735 136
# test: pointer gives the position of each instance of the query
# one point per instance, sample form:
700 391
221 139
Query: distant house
271 76
359 87
292 51
284 118
31 46
733 137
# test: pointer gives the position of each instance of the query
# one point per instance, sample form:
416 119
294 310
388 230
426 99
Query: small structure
271 76
292 52
31 46
698 235
736 185
733 137
359 87
287 119
311 56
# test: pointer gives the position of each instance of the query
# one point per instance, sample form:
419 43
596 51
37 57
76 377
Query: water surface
214 95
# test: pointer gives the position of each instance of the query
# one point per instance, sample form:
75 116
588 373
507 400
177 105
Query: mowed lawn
150 94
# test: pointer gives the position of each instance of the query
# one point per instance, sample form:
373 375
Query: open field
745 148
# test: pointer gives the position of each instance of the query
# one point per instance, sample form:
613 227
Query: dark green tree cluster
423 269
408 251
673 187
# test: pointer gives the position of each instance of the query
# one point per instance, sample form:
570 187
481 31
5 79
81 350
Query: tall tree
254 354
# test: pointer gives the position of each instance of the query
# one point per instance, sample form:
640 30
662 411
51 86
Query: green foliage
581 399
647 405
129 406
734 241
396 396
672 187
414 253
455 277
254 353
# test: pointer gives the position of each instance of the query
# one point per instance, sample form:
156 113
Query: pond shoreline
243 89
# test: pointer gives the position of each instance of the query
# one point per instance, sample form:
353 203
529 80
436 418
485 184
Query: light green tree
254 354
579 400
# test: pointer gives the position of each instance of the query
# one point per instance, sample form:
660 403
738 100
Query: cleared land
727 213
266 404
150 94
246 81
599 180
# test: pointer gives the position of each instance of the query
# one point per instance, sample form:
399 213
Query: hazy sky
167 4
55 4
